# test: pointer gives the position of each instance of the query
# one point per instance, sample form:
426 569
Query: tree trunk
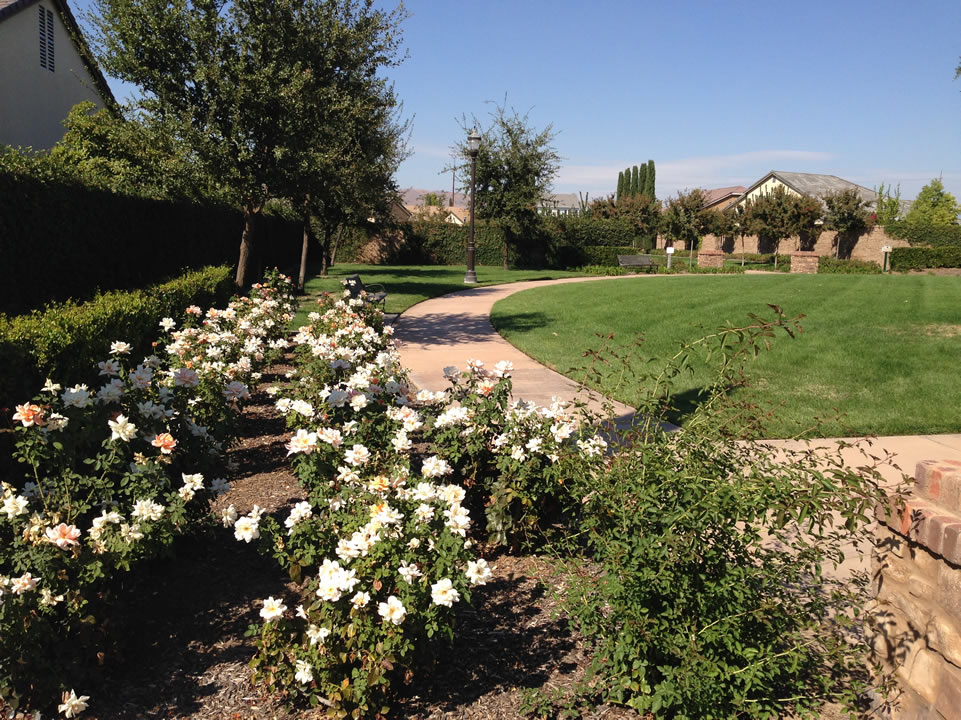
505 254
325 251
247 241
335 245
302 277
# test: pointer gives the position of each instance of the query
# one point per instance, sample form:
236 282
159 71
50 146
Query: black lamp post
473 146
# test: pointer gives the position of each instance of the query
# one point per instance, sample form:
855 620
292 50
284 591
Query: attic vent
46 39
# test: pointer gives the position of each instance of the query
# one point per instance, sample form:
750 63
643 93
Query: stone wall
865 247
916 569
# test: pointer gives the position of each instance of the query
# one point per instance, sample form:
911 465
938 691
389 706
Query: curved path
453 328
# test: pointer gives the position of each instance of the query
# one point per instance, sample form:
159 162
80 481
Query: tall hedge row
61 240
921 258
66 340
580 231
439 243
923 234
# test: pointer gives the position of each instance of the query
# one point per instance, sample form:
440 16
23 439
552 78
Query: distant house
721 198
452 215
810 184
45 69
560 204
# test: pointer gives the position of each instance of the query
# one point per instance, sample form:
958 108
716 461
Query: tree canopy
934 206
267 97
516 166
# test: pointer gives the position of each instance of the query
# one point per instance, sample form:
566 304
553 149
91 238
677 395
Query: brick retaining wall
710 258
866 247
916 569
805 262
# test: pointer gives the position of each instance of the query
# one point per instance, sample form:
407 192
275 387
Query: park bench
636 261
355 286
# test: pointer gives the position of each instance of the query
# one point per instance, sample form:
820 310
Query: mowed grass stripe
883 350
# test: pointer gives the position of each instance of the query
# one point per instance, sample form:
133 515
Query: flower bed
382 548
111 475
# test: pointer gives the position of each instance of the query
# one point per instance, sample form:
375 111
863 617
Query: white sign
669 251
886 248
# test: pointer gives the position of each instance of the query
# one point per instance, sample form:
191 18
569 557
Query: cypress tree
620 186
650 180
642 180
634 187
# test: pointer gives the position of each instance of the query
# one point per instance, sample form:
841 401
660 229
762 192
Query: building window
46 39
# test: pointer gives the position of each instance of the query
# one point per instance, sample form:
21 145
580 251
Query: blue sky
716 93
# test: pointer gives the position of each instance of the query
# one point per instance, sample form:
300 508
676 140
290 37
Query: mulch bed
180 649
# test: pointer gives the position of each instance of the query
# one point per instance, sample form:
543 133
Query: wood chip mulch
178 630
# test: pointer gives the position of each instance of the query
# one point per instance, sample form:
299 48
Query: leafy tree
240 84
649 189
888 206
433 200
934 206
846 212
772 217
642 181
620 185
808 213
131 156
685 219
634 181
516 165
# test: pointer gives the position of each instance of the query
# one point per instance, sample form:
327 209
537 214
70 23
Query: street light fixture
473 146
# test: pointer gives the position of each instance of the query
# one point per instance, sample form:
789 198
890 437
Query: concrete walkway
453 328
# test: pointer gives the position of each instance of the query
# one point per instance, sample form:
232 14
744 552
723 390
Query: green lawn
408 285
882 349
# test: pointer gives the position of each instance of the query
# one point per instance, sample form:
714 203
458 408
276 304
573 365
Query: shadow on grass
520 323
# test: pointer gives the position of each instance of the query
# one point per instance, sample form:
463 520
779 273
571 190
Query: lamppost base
470 278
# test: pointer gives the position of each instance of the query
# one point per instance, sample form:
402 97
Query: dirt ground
180 649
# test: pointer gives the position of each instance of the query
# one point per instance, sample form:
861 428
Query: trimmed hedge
829 265
583 231
61 240
921 258
66 340
933 235
435 242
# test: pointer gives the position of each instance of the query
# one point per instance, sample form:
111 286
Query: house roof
561 200
9 8
715 195
816 185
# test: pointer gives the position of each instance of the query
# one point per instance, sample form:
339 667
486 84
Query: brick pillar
710 258
916 570
804 261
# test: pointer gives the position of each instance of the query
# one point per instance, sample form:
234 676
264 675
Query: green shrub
67 339
695 561
604 270
440 243
848 267
582 230
925 234
920 258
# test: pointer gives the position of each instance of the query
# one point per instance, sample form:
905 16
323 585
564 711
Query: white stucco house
45 69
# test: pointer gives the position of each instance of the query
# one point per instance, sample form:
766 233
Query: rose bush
111 475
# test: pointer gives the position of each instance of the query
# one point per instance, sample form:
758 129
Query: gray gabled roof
820 185
9 8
